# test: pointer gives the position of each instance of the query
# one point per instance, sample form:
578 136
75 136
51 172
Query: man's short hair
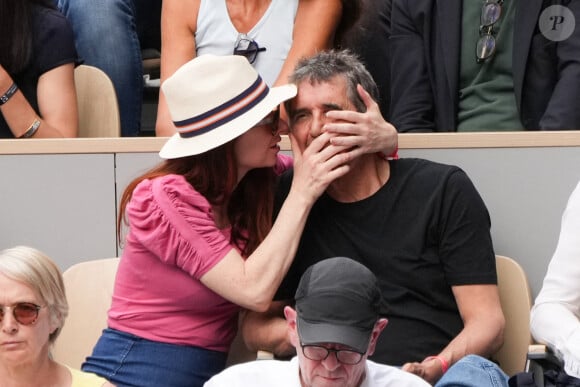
325 65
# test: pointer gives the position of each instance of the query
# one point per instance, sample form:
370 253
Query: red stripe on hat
224 115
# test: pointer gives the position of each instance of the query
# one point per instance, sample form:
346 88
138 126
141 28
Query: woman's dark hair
352 10
214 175
358 27
16 22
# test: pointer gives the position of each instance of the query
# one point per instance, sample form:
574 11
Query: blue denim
473 371
128 360
106 37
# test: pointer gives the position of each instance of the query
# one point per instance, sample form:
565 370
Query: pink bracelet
393 156
444 363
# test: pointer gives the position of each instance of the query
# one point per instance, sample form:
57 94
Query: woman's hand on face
363 133
318 165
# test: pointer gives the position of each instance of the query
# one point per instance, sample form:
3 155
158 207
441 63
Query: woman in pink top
199 244
33 310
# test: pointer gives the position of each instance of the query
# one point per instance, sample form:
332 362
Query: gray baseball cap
338 300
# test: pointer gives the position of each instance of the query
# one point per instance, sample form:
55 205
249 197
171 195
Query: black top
53 46
424 231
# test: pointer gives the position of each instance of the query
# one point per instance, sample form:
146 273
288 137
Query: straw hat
214 99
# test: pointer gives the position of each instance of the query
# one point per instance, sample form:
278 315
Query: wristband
9 93
444 364
393 156
31 131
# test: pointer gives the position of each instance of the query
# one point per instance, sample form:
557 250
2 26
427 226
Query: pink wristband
393 156
444 364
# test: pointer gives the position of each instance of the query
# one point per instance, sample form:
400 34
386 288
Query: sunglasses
247 47
271 120
320 353
24 313
486 44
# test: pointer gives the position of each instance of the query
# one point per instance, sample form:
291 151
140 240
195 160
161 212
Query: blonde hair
36 270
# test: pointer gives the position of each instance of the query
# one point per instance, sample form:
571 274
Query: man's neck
367 175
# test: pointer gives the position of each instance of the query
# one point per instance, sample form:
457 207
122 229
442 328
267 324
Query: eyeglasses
24 313
271 120
486 44
319 353
246 46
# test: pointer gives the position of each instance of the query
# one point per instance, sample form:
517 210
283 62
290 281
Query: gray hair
325 65
36 270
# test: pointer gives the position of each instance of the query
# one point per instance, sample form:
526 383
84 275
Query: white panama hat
214 99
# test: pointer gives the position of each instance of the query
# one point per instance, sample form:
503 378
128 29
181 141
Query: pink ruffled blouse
172 242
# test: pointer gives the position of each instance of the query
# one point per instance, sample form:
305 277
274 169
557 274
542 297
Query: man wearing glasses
334 328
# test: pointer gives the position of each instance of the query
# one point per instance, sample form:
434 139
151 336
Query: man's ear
377 329
291 315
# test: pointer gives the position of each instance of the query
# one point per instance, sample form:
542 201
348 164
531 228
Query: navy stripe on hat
224 113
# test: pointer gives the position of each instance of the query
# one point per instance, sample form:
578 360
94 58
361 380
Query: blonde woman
33 309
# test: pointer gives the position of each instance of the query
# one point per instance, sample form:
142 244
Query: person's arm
57 105
468 262
178 26
412 99
252 282
267 331
555 316
314 27
482 333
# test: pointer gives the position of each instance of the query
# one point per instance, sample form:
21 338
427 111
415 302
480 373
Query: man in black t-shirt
420 226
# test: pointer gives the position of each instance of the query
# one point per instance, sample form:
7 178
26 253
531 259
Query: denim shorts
128 360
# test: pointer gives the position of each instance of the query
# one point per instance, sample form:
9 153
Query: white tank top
217 35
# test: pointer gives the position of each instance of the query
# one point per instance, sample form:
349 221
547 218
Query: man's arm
555 315
267 331
482 334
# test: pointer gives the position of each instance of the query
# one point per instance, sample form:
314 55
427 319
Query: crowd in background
226 224
440 66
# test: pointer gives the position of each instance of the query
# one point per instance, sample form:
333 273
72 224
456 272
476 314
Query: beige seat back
97 103
516 302
89 288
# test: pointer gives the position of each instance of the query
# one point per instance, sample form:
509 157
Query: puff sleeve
168 217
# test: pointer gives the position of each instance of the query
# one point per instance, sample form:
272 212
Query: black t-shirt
53 46
424 231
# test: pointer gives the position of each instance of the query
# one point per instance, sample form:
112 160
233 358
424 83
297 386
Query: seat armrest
264 355
543 352
541 358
